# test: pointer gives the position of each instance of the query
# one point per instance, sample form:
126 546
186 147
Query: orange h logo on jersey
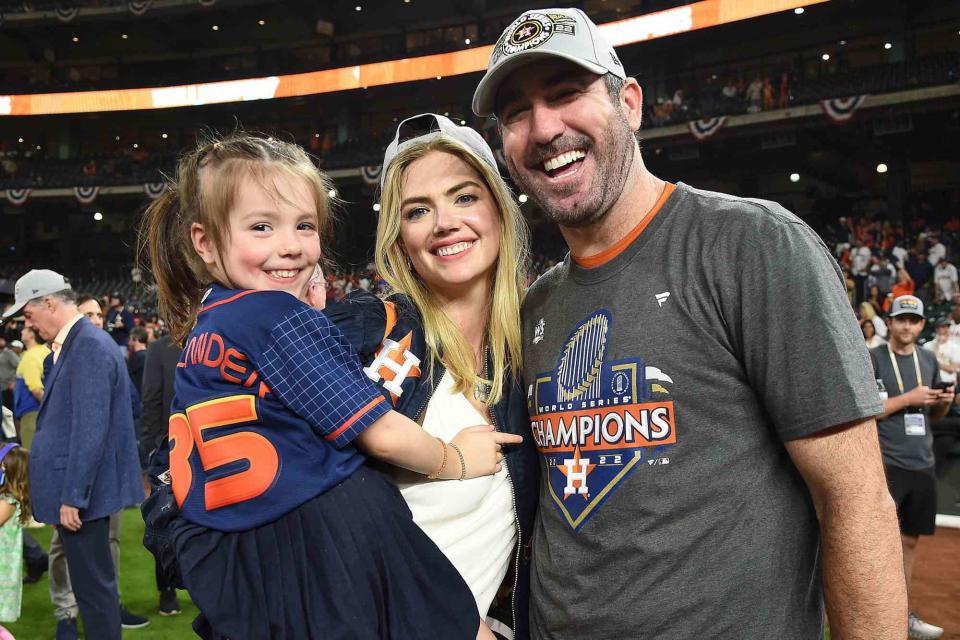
394 361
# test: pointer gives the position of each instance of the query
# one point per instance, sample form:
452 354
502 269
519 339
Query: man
17 347
119 322
860 257
947 429
8 373
915 399
945 276
61 592
83 464
157 394
137 345
691 436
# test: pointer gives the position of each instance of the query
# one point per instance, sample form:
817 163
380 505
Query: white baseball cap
545 33
427 126
37 283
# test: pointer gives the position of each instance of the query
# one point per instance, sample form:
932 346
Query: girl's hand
482 451
317 290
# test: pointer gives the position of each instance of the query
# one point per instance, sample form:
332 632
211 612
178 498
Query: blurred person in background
8 373
904 286
870 334
119 322
28 391
83 461
913 399
945 276
946 431
156 395
868 314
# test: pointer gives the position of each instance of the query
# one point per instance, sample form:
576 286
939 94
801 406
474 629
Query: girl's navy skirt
350 563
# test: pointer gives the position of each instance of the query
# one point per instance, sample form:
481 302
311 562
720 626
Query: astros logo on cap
532 30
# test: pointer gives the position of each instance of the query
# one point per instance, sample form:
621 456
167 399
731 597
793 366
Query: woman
870 334
452 246
867 314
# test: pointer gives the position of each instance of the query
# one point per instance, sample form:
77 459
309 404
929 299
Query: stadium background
847 112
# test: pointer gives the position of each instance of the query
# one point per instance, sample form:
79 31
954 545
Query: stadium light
463 122
798 10
825 57
794 177
843 43
124 36
163 135
20 140
215 27
376 206
117 138
881 168
38 147
98 216
332 193
466 41
261 22
136 146
439 77
316 135
358 8
887 45
522 198
75 39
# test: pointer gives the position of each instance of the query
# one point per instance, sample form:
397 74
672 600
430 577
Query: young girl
284 532
14 513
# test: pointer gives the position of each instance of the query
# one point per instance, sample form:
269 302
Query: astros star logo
576 470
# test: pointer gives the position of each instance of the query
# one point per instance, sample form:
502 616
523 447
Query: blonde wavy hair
444 338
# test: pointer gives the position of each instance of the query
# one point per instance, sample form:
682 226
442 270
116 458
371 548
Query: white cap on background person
37 283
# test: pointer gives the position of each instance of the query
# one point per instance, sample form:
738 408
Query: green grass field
138 591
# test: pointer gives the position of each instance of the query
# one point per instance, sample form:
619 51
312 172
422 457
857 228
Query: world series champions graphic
597 421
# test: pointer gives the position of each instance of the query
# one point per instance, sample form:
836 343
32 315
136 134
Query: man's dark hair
85 298
139 334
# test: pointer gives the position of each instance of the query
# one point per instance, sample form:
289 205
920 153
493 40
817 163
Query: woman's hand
482 450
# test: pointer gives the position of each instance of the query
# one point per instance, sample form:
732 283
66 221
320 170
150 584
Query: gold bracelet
443 462
463 465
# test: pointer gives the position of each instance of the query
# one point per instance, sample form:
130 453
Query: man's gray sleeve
799 341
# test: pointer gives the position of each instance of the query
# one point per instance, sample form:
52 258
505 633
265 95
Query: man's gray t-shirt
900 449
661 386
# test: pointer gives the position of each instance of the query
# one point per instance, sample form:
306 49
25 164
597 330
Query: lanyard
896 369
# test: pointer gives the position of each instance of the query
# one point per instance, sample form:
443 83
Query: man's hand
70 518
922 396
948 395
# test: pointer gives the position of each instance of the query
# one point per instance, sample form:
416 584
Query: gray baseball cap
37 283
427 126
545 33
906 304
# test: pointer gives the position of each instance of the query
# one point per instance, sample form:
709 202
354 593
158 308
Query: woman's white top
875 341
471 521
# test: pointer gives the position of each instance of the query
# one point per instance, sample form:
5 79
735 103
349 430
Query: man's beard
612 157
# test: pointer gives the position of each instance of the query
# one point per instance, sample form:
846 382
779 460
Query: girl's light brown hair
16 469
203 190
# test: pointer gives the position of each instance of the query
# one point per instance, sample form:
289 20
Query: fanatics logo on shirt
595 421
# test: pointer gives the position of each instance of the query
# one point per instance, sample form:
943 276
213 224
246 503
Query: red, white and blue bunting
703 129
66 14
18 196
138 7
154 189
86 195
371 175
842 109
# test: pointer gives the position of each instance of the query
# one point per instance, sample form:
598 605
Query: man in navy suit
84 464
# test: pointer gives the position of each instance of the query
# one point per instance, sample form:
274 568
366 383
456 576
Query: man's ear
203 244
631 101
